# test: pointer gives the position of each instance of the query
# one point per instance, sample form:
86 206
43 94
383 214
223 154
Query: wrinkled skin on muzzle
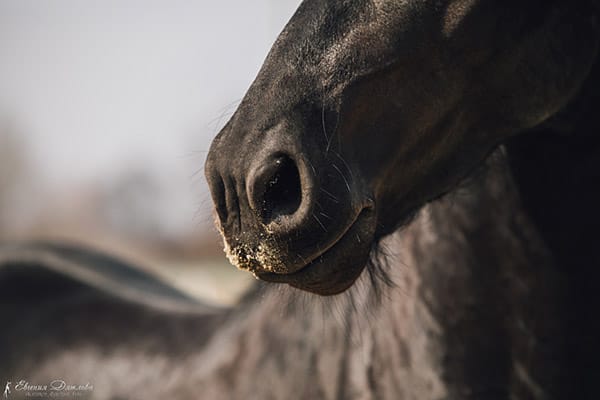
364 111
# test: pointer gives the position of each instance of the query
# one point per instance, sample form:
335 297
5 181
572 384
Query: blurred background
107 111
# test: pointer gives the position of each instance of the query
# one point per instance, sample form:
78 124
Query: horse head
364 111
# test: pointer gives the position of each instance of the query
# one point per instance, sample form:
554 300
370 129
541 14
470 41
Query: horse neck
491 284
556 168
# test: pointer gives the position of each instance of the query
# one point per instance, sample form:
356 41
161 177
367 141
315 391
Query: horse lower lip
284 278
323 253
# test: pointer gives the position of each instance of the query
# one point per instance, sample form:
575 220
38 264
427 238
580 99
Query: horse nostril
281 191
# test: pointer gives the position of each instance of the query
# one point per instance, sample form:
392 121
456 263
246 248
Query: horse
413 183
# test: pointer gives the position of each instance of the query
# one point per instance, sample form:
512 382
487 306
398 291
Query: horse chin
337 268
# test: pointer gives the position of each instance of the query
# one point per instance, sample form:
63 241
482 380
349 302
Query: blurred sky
97 85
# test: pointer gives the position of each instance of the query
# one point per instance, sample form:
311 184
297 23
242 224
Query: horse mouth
336 268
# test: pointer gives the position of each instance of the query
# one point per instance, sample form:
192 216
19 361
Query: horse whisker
343 177
320 223
327 138
325 215
335 199
345 164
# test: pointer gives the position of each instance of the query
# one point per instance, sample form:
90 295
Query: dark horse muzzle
289 213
